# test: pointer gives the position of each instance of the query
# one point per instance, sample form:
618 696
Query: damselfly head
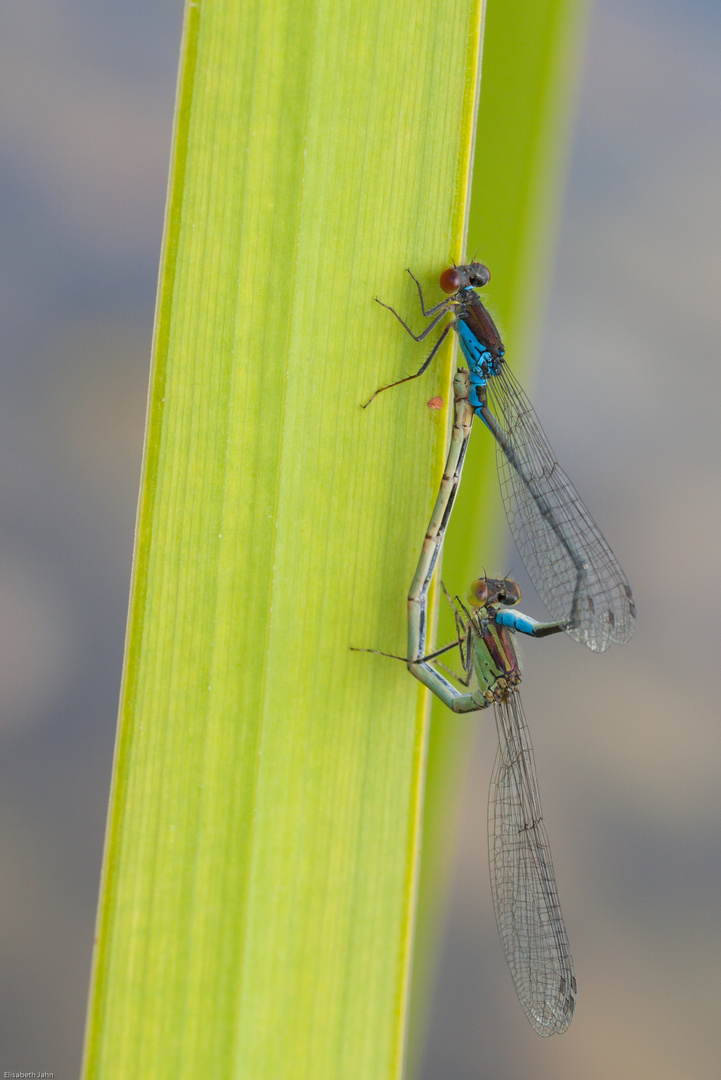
488 591
474 275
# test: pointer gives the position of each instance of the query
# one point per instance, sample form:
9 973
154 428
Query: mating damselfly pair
585 590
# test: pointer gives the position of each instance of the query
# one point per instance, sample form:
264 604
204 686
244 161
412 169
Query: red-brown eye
478 595
450 280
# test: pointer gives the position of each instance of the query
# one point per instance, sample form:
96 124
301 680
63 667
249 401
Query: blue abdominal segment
516 620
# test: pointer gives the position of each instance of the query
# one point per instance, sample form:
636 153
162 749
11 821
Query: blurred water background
628 745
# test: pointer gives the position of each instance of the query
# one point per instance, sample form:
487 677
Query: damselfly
523 883
568 560
525 898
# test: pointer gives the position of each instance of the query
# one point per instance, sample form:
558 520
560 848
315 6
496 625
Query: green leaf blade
258 890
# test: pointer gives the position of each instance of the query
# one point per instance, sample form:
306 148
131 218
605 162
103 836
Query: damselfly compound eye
450 280
511 592
478 594
479 275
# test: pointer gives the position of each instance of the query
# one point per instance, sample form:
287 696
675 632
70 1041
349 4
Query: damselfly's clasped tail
568 560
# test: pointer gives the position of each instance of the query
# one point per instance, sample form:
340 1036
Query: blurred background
628 745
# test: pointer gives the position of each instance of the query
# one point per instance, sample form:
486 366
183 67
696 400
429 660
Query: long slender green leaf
257 898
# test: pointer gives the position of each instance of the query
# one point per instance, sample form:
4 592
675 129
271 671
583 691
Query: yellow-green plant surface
257 901
530 60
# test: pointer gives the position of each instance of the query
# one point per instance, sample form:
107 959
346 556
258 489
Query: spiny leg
424 365
444 304
465 645
419 660
426 331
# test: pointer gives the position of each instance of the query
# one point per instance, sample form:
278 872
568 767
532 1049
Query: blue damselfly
567 558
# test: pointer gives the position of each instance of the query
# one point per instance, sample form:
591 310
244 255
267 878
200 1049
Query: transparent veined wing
525 898
567 558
